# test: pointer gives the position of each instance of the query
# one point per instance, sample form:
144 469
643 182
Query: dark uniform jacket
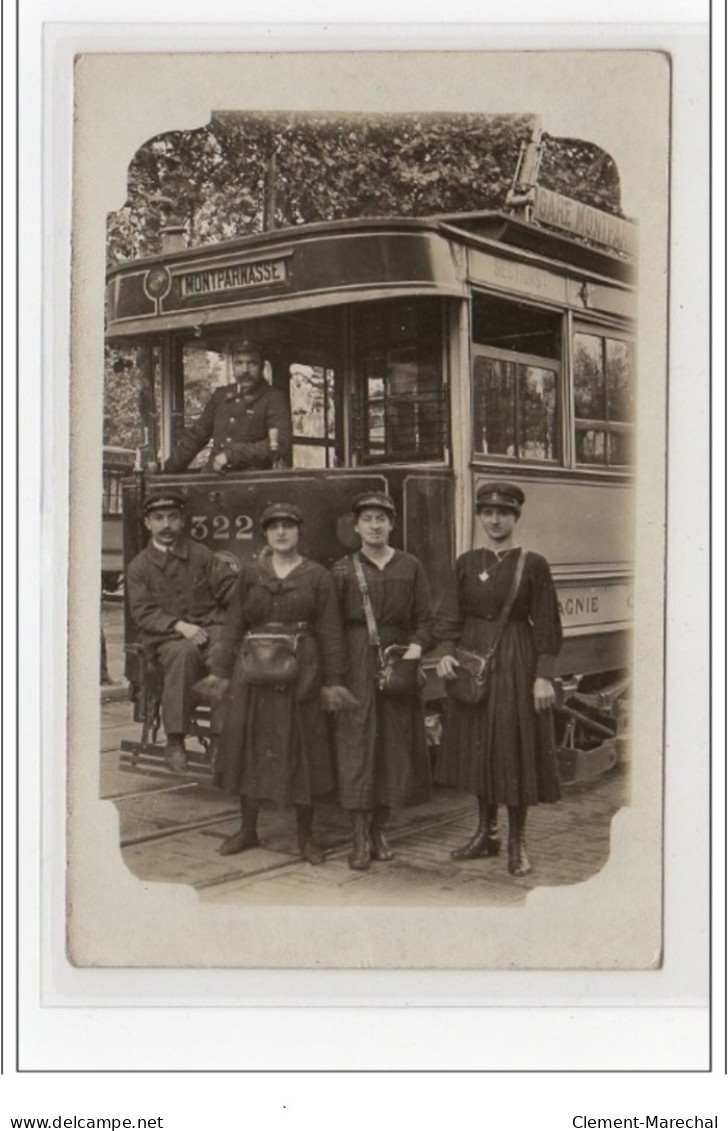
188 582
238 424
305 596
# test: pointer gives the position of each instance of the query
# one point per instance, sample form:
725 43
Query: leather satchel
269 658
394 675
470 682
474 669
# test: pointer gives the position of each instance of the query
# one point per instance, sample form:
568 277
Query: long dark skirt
273 747
381 749
502 749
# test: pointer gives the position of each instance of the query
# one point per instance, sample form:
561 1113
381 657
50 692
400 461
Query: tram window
313 415
515 327
619 379
204 370
515 409
111 500
401 412
603 399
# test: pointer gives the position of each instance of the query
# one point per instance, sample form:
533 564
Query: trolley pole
269 190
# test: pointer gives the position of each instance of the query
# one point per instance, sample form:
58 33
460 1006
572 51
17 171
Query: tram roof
510 230
330 263
463 227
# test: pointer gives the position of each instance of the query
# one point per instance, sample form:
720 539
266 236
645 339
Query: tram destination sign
224 278
569 215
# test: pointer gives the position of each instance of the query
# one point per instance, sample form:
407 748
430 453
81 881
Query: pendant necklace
486 573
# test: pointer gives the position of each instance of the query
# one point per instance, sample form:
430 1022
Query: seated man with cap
248 421
178 591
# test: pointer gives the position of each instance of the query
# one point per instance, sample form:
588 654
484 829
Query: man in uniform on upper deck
178 591
248 421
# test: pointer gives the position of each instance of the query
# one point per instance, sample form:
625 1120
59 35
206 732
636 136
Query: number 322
200 525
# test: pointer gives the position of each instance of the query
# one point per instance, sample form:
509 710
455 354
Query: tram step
139 757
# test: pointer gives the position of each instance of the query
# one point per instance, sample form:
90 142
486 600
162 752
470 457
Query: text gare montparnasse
691 1122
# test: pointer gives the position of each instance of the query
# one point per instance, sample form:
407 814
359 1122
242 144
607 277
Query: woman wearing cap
501 749
275 747
382 753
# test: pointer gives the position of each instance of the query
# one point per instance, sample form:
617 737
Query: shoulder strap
366 601
506 610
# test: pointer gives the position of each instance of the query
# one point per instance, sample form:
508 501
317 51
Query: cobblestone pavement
172 825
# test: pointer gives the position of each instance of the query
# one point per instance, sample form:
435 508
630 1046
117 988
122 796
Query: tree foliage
580 170
331 167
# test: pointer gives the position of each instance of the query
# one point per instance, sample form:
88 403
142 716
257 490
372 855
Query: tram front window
401 413
205 369
313 415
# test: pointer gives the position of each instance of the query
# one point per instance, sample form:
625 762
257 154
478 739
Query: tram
419 356
118 463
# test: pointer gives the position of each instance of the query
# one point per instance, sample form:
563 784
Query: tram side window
111 499
516 388
515 409
401 412
603 399
313 415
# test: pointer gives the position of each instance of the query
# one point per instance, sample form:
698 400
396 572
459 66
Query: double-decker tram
118 463
420 357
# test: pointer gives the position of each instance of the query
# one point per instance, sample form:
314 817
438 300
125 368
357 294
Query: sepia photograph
378 425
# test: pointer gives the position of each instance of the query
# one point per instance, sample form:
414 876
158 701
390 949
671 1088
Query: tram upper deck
350 261
418 355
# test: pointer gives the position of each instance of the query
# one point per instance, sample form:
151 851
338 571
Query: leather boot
175 755
304 824
246 836
361 856
486 841
381 849
518 862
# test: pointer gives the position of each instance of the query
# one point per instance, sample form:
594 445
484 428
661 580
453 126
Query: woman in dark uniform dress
274 746
502 749
382 754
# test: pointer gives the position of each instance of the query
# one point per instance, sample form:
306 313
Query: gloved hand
337 699
212 687
446 667
544 695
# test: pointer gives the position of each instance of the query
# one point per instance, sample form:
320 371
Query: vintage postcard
369 370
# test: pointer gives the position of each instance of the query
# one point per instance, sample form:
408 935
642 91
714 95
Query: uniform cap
374 499
499 494
280 510
164 500
250 344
